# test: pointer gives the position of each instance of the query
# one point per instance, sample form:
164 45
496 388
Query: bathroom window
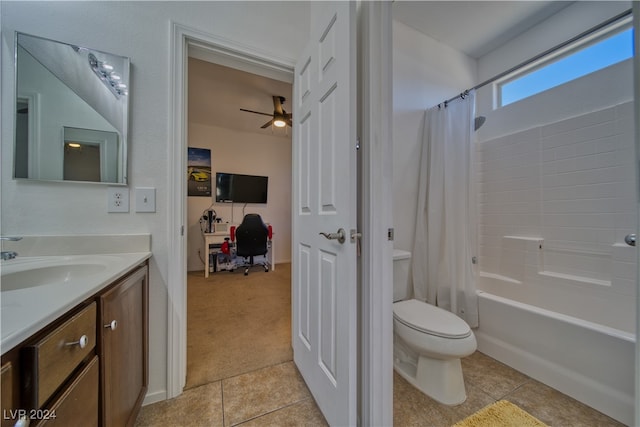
587 55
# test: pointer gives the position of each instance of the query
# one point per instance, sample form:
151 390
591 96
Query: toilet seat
430 319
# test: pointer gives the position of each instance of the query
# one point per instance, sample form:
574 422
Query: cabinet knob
82 342
113 325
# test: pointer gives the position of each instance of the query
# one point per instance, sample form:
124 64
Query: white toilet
428 341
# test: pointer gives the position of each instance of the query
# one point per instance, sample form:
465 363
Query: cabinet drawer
78 404
50 361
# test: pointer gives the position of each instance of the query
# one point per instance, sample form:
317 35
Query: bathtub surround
445 241
556 198
556 201
555 206
584 360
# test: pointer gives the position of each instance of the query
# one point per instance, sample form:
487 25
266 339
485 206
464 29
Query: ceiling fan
280 118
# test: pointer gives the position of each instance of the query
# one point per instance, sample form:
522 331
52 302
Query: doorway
237 324
376 217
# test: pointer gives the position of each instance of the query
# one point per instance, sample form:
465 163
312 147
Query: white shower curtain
445 241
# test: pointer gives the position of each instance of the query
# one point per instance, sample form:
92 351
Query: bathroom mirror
71 112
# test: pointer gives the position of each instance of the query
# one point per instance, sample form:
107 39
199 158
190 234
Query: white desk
218 238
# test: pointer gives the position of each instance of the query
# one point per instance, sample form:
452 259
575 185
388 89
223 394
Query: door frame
225 53
636 98
375 220
375 377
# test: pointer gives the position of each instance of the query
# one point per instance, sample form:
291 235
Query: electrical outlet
117 199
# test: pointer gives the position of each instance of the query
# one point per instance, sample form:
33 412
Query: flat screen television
237 188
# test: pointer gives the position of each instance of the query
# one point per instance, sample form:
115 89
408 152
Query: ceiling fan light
279 123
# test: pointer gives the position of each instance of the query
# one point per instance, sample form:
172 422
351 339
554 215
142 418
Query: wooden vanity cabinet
123 349
89 367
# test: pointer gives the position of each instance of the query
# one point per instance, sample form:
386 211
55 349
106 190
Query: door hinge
182 230
357 143
390 234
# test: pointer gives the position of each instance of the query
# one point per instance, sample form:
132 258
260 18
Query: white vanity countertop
26 310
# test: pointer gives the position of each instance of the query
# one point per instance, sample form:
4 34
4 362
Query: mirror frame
122 167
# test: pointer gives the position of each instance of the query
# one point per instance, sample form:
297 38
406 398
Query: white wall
249 154
141 31
425 73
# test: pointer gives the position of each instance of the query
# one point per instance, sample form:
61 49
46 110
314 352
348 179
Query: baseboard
154 397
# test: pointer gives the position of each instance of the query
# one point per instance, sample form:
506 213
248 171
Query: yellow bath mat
500 414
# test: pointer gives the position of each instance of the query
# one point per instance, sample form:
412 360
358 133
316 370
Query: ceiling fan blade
266 125
277 104
256 112
289 122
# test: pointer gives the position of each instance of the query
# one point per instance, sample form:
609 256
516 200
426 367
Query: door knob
112 325
82 342
630 239
339 236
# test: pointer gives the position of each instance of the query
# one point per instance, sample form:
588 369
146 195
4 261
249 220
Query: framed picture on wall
199 172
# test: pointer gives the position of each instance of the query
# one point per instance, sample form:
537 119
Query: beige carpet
237 323
501 414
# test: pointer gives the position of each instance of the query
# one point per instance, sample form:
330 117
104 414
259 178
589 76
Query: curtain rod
546 52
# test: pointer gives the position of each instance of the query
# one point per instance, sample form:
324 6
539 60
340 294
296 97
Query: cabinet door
78 404
124 349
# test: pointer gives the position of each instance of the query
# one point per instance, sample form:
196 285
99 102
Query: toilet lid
430 319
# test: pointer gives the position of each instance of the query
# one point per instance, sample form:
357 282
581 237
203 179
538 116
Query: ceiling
216 92
474 27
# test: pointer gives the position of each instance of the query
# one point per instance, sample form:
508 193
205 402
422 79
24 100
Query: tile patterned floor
277 396
487 381
269 391
272 396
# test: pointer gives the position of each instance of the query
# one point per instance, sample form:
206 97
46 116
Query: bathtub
589 362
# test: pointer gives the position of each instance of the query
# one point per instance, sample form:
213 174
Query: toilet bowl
428 342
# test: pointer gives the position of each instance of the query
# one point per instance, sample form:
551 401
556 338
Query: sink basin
39 275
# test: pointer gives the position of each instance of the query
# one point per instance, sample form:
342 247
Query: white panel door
324 201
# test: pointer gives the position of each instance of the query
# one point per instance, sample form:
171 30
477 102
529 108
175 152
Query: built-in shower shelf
500 277
575 278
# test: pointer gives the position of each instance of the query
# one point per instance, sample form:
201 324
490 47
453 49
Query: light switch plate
145 199
117 199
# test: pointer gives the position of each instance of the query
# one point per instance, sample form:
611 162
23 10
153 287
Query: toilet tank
402 288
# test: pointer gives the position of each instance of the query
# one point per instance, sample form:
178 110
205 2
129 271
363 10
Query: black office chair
251 239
